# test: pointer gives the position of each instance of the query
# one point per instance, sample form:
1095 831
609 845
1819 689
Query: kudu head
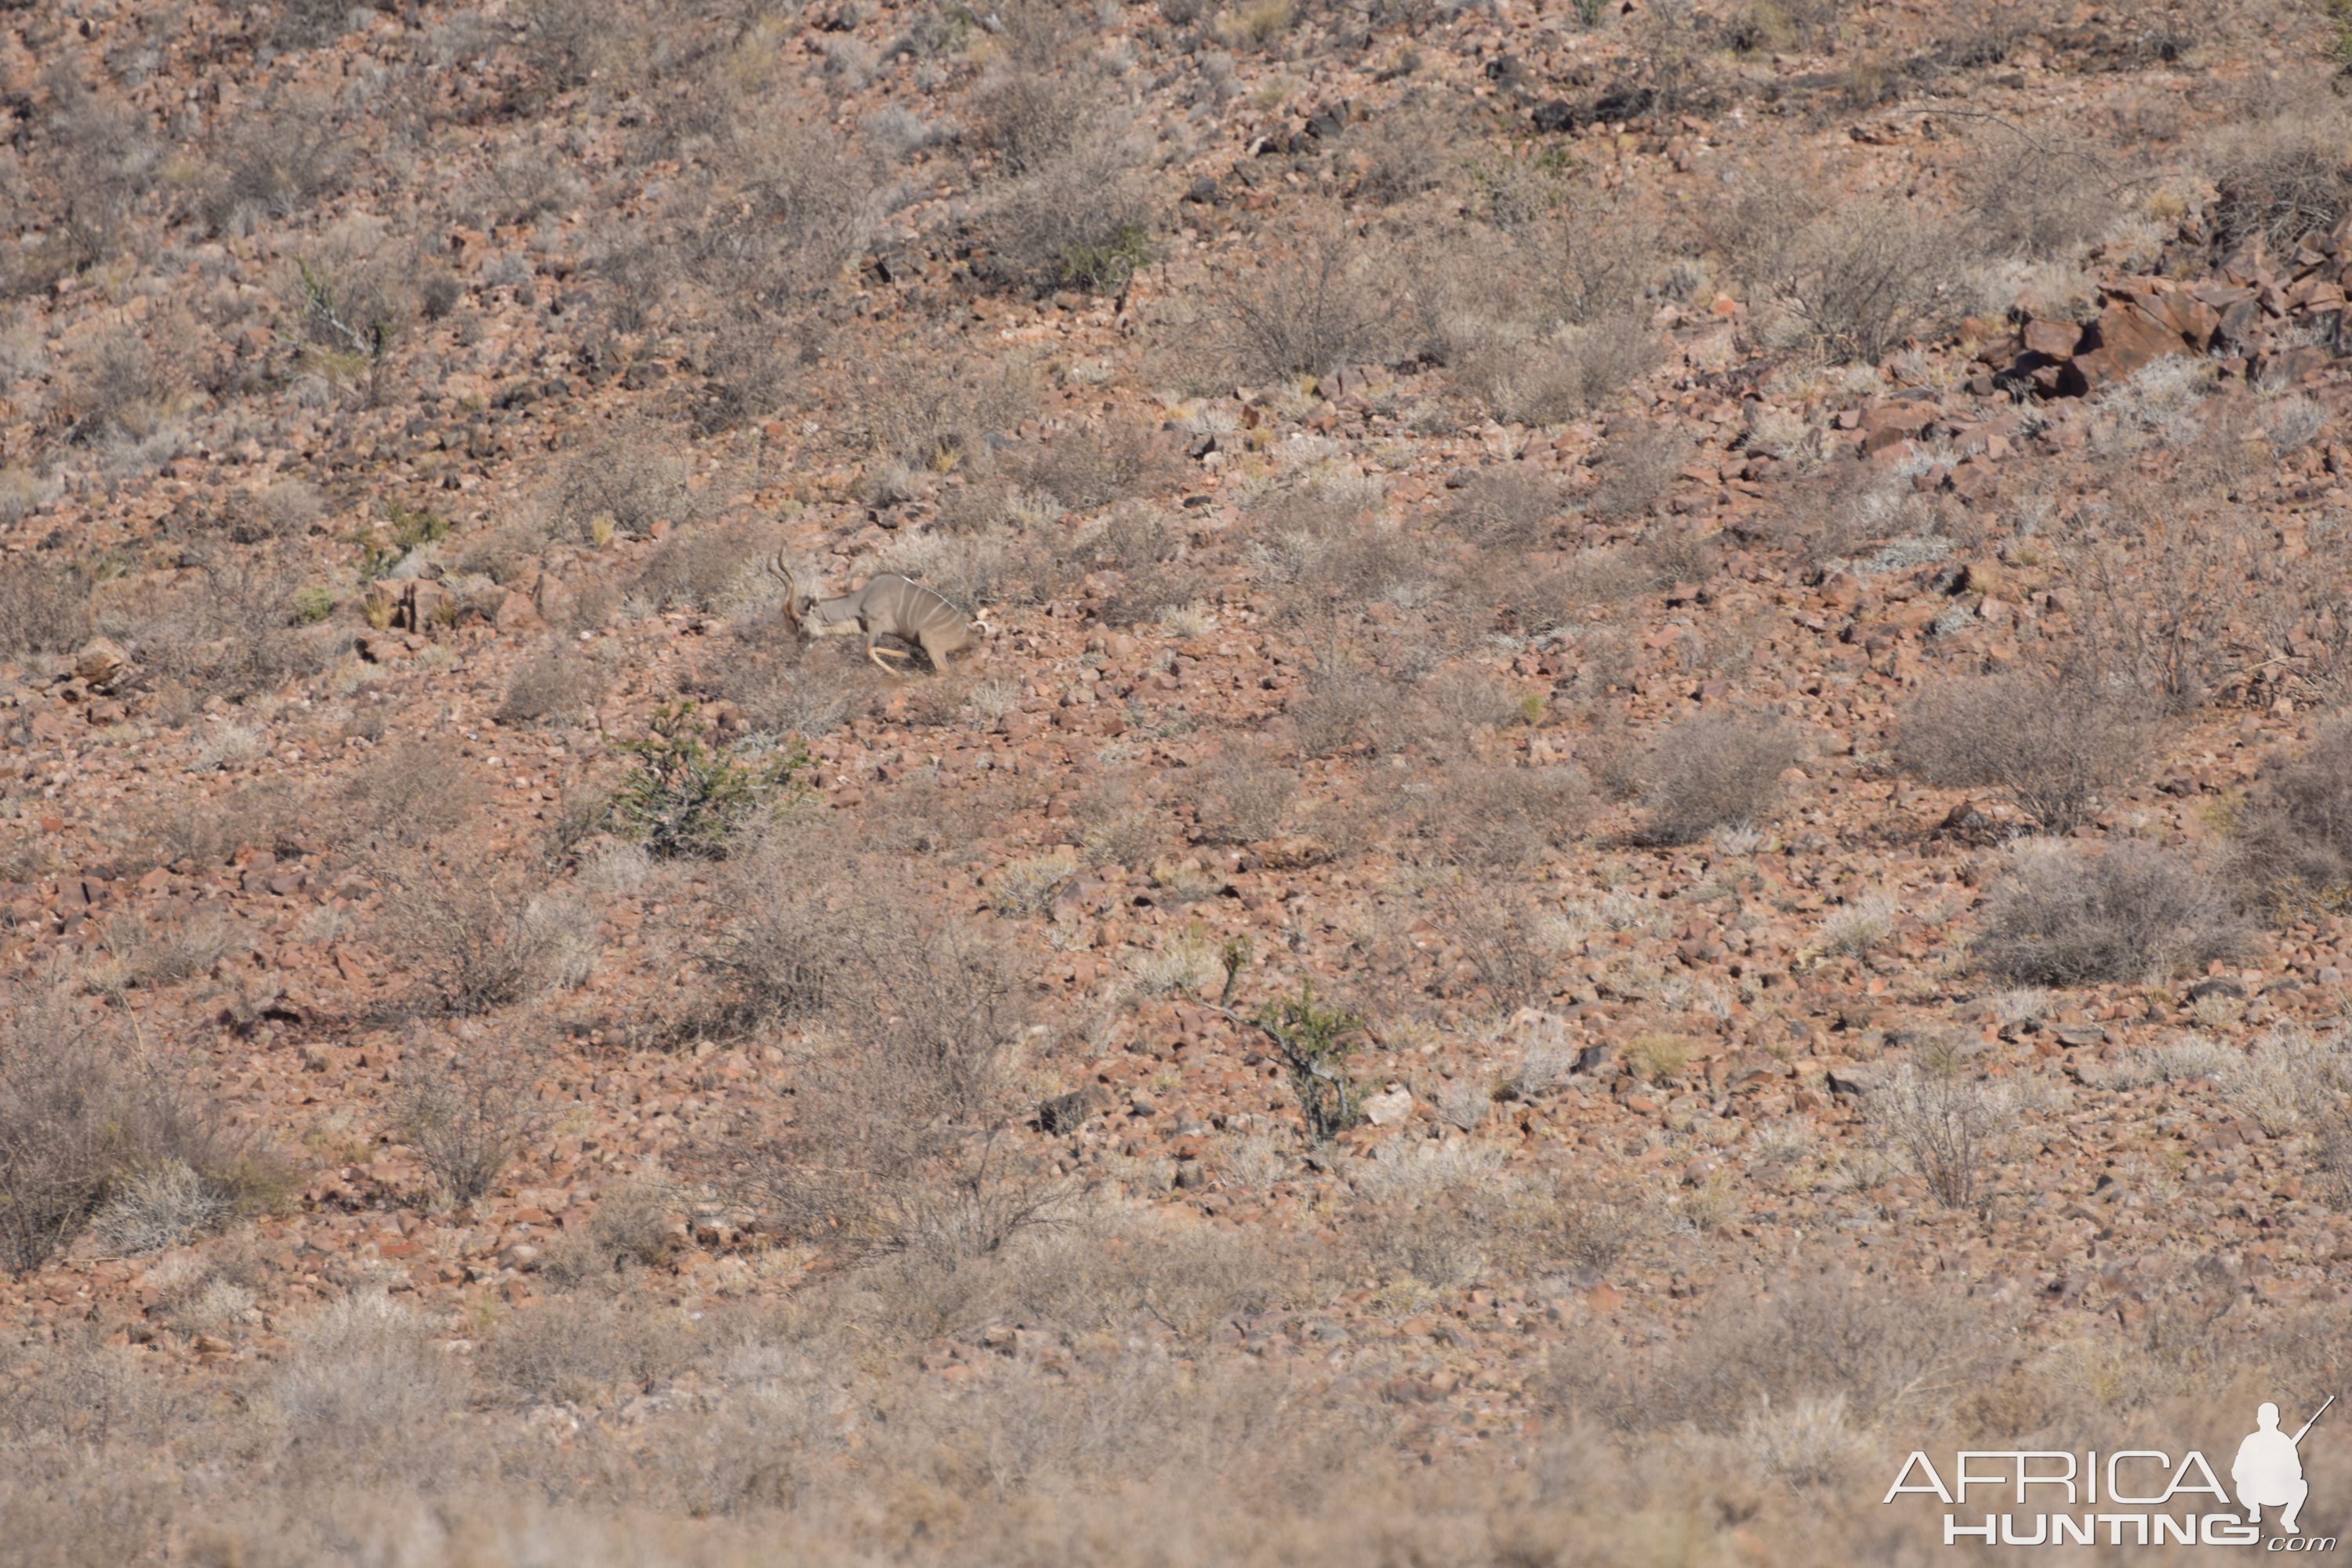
797 597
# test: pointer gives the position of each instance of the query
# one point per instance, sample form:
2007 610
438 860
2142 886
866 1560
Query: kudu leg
878 654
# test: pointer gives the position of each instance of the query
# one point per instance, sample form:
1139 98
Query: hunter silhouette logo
2269 1468
2267 1473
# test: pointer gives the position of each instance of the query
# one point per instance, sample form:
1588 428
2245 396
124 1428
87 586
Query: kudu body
887 606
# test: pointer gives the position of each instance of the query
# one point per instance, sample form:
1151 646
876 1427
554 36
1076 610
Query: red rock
2052 340
2127 336
517 614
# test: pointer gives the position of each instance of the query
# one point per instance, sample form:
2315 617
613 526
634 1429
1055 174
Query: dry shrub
1507 940
163 950
1468 700
1080 221
1713 771
1551 379
210 830
631 1227
626 477
783 688
287 510
1155 577
368 1375
460 919
1833 517
588 1351
1535 309
468 1114
1310 312
1482 814
102 156
773 213
2071 915
83 1116
411 790
2173 583
898 1137
2039 195
1852 279
42 610
2294 838
2295 1081
978 571
1087 469
2281 177
1032 115
1672 554
692 569
1399 156
1242 796
937 416
1340 709
1506 507
568 41
1119 826
234 634
1898 1351
1942 1124
274 164
1334 565
1637 469
555 684
2053 742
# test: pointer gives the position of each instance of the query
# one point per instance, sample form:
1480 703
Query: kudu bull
887 606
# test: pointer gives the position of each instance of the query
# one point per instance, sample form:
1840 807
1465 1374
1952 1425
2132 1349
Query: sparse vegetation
1336 1031
1709 772
2069 915
2054 745
685 797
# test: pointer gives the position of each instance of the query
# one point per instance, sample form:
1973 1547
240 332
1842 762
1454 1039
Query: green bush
683 798
313 604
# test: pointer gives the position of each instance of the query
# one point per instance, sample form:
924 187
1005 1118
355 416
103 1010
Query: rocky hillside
1648 808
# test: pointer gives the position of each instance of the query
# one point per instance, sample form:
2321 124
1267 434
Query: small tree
1942 1123
1313 1042
467 1117
684 797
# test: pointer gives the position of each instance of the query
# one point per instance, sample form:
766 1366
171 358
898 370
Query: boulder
102 665
517 614
552 600
425 605
2052 340
2128 334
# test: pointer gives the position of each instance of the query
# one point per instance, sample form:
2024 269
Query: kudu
887 606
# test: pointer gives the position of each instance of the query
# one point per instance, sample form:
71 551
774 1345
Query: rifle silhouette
2314 1418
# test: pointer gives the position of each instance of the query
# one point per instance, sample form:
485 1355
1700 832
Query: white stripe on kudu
888 606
